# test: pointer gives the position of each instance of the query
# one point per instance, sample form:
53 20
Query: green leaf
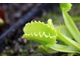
63 30
71 26
43 49
63 48
68 41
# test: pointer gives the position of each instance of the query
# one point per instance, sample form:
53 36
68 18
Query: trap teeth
35 21
31 22
31 34
39 22
28 24
28 35
52 37
35 35
49 34
42 22
43 33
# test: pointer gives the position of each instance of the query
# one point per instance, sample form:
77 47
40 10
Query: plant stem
68 41
65 39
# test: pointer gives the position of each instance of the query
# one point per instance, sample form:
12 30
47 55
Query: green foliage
70 24
42 33
48 35
63 30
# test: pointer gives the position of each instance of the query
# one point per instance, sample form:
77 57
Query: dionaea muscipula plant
48 35
65 7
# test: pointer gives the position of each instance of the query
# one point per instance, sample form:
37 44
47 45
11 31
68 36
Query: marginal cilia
46 34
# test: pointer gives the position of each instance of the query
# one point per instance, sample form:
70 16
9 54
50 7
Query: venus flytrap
69 22
48 35
40 32
65 39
